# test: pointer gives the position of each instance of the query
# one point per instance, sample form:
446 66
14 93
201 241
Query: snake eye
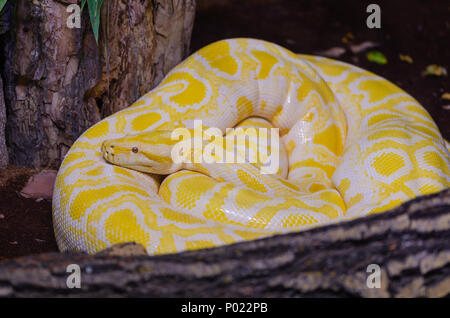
135 149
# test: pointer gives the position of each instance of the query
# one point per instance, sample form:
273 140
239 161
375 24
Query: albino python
352 144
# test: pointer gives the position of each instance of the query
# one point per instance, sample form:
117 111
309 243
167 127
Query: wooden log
410 244
60 82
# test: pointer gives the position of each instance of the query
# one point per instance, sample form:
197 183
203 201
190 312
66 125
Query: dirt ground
25 225
420 29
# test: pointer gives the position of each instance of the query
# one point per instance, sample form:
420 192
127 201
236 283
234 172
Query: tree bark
409 243
3 151
60 82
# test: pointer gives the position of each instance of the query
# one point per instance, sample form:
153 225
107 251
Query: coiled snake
352 144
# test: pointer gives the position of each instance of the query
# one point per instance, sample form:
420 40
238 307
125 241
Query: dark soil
420 29
25 225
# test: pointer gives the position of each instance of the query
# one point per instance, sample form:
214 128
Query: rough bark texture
3 150
60 82
411 244
4 14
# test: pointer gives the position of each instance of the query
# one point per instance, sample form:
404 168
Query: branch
409 243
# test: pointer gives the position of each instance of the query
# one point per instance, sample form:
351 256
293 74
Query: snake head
147 152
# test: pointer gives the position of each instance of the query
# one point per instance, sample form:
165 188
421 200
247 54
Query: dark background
420 29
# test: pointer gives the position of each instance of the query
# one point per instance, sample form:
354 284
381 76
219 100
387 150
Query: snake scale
352 144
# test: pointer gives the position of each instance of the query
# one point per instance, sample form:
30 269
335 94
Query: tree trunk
3 151
60 82
410 244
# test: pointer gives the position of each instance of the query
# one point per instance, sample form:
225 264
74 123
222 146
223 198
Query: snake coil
355 144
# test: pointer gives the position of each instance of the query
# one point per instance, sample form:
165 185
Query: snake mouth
109 157
108 152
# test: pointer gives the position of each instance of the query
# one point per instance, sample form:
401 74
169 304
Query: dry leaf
435 70
358 48
348 37
333 52
406 58
446 96
40 185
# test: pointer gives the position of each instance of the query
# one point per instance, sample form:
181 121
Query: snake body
353 144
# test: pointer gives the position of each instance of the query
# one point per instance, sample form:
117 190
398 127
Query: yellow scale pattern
352 143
